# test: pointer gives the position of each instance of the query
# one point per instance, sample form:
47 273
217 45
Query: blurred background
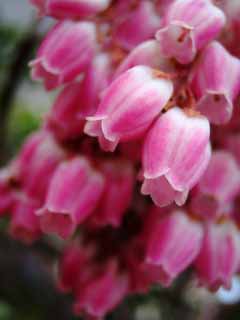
27 289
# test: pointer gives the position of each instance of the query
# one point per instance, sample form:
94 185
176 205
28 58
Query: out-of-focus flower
65 53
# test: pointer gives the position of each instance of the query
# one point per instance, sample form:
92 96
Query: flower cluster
147 107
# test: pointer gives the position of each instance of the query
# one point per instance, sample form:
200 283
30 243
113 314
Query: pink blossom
63 9
188 25
36 163
218 187
129 105
219 256
176 153
215 82
138 25
147 53
73 194
65 53
103 292
174 243
117 195
24 224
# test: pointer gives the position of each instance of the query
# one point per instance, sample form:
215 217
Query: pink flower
72 264
65 53
79 100
148 54
63 9
73 194
215 82
129 105
36 163
187 27
103 292
218 187
24 224
176 153
219 256
136 26
175 241
117 195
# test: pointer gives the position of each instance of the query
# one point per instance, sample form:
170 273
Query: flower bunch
147 107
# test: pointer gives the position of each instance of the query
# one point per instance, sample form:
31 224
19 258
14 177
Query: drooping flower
219 256
215 82
176 153
188 25
65 53
218 186
174 242
64 9
73 194
129 106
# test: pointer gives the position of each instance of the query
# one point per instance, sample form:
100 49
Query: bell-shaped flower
137 25
188 25
219 256
36 163
176 153
24 224
215 81
175 241
218 186
79 100
117 195
129 106
64 9
72 196
103 292
65 53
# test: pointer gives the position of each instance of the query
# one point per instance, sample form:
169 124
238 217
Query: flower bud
66 52
215 81
130 104
188 25
176 153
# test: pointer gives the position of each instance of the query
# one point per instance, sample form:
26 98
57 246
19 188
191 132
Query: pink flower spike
215 82
117 194
130 104
103 292
148 54
73 194
64 9
187 27
24 224
174 243
137 26
218 187
219 256
66 52
176 153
